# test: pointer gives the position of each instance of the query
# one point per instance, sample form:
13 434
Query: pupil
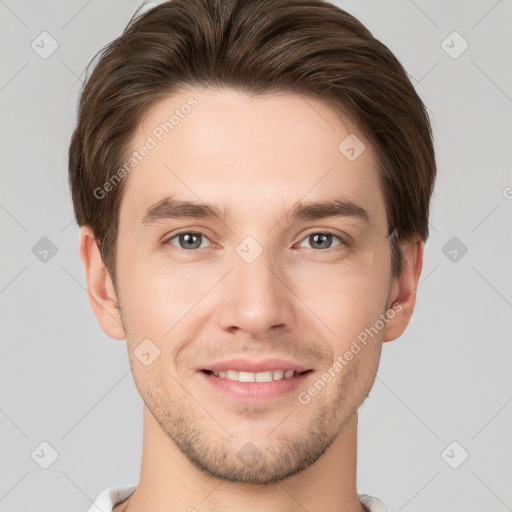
325 236
189 240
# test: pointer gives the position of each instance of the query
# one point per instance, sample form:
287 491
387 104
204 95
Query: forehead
252 155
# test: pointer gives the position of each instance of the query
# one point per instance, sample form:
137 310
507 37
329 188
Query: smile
243 386
266 376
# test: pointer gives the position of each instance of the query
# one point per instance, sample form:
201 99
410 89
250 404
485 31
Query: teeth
267 376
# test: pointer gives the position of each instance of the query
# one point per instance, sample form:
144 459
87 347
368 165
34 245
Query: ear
403 290
99 285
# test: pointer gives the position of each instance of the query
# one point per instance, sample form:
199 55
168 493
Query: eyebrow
172 208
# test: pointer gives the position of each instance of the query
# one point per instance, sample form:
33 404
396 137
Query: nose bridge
254 296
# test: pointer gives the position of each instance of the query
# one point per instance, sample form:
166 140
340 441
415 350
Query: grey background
448 378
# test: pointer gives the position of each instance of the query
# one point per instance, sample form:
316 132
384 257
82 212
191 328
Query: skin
257 156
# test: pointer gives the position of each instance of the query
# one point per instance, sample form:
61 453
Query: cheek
155 295
346 303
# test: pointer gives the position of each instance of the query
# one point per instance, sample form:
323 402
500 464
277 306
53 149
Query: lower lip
256 391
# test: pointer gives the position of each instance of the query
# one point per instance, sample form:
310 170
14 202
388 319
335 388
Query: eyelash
343 245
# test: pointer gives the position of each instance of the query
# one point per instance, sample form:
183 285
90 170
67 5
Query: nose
255 297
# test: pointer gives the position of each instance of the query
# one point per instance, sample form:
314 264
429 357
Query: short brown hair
308 47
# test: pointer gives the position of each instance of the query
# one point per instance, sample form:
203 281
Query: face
263 280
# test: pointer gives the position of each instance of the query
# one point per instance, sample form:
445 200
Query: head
214 141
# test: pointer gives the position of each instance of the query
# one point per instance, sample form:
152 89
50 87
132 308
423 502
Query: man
252 181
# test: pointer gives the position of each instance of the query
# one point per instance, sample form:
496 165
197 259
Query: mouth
244 386
264 376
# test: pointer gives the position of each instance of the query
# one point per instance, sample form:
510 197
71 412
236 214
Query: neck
169 481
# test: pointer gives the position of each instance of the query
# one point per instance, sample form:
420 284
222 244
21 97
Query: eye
323 240
188 240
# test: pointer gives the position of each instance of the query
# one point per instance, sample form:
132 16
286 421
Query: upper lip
248 365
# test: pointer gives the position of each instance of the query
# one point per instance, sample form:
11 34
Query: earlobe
403 292
102 296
